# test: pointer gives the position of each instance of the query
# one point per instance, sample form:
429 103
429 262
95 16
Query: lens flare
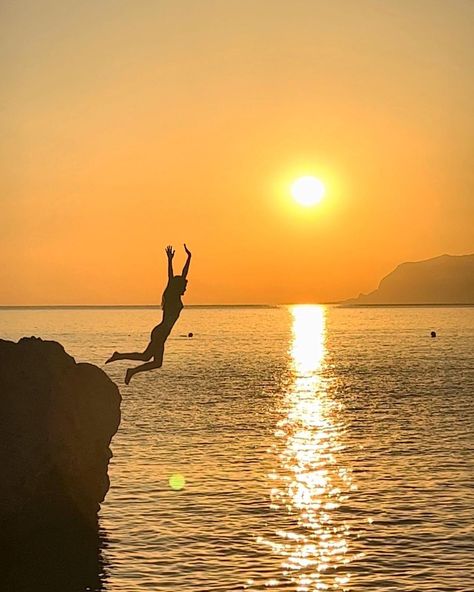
177 481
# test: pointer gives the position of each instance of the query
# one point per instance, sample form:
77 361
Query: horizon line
154 306
341 303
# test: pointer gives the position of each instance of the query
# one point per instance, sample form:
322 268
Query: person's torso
171 312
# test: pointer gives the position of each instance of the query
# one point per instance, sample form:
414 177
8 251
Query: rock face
57 419
446 279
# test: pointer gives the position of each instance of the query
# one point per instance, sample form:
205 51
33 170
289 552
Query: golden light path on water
311 481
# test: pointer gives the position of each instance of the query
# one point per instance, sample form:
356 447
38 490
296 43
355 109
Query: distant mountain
447 279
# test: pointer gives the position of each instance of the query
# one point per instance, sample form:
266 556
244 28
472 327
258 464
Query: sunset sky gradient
128 125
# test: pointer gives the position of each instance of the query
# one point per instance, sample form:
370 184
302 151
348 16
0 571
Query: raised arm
188 261
170 255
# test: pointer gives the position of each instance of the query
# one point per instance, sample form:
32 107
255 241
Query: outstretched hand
188 252
169 252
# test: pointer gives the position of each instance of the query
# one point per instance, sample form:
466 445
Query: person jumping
172 306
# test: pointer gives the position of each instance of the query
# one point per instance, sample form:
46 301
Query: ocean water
322 448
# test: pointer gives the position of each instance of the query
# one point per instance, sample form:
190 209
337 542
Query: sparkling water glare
313 448
311 481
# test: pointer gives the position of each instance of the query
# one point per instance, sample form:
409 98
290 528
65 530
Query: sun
307 191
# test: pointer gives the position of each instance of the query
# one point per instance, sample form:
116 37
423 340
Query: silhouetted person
433 333
190 334
172 306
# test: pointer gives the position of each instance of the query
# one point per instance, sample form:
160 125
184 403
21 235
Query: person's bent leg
157 362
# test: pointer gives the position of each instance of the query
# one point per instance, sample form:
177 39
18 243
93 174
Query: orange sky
128 125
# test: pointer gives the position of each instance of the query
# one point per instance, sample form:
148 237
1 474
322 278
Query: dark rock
57 419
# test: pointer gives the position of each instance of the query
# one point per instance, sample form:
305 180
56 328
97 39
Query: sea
290 448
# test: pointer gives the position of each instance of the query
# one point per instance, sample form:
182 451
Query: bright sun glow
307 191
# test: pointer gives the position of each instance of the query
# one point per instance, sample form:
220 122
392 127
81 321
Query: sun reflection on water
311 481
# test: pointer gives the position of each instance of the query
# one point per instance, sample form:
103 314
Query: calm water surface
323 448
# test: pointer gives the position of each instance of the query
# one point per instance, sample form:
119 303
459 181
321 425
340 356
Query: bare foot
128 375
112 358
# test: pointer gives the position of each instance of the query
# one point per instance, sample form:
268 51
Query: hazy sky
128 125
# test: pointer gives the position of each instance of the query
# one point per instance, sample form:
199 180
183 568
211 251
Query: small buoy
433 333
